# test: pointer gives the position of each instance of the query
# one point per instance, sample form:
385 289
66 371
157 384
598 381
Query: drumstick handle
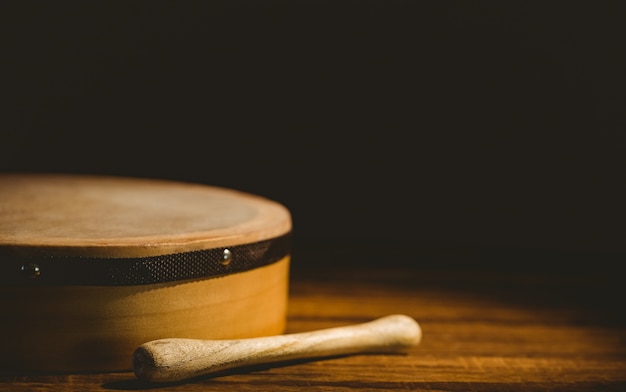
170 360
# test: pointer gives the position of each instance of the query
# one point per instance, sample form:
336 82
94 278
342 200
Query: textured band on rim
101 271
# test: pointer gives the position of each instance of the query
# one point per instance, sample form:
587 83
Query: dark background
424 124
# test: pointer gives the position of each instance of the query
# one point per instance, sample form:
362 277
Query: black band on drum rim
133 271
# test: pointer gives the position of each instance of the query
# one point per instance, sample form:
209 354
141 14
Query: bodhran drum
93 266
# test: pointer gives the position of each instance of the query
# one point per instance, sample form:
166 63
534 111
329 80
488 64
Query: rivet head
227 257
30 270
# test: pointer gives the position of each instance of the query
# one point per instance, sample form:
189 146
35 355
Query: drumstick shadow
139 385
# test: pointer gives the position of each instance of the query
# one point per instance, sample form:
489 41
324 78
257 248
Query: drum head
99 216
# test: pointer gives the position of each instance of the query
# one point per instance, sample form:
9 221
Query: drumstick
170 360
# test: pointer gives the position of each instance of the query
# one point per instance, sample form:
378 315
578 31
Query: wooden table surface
494 321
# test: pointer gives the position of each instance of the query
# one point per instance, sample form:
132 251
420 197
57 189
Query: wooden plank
488 332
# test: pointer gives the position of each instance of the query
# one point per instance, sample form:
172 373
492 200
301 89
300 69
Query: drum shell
92 328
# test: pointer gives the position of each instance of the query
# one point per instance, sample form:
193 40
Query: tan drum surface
93 266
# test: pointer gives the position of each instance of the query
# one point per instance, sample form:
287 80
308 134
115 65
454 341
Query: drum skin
52 326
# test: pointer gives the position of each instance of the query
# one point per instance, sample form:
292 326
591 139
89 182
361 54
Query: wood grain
487 330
